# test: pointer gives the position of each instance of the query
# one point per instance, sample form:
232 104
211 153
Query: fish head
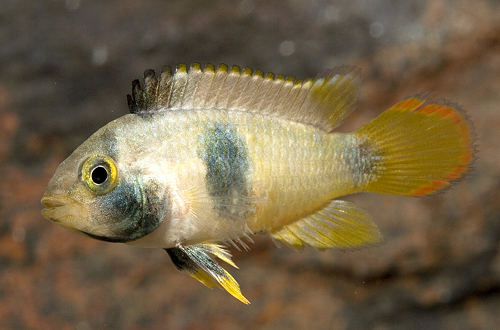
98 193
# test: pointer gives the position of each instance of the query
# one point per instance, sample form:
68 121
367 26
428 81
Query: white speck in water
84 325
332 14
72 4
18 234
100 55
376 29
287 48
246 6
148 41
415 32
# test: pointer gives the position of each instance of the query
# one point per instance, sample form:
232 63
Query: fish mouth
53 205
63 210
51 202
70 214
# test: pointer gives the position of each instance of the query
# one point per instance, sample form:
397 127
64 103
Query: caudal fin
415 148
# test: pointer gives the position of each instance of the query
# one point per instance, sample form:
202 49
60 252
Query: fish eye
99 174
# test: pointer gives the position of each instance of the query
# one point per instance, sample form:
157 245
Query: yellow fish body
216 155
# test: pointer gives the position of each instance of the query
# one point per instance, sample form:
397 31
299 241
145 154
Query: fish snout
61 209
51 202
52 207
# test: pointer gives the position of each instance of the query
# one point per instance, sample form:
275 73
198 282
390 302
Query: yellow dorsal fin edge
325 101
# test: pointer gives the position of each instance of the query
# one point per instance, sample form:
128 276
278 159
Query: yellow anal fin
196 262
340 225
416 148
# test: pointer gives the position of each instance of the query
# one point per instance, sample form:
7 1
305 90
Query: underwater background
65 70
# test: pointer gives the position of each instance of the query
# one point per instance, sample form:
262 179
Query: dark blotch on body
362 161
137 212
224 154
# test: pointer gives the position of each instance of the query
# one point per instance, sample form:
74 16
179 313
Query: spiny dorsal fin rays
179 83
325 101
144 99
165 86
196 262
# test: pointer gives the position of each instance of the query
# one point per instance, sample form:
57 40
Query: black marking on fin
195 261
324 102
181 260
152 96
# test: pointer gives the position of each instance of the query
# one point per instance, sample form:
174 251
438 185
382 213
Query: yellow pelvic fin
415 148
340 225
325 101
196 262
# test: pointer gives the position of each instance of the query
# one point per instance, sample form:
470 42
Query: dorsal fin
325 101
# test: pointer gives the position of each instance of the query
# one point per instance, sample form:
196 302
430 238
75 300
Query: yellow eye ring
99 174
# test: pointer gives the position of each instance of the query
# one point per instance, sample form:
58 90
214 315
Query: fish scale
292 176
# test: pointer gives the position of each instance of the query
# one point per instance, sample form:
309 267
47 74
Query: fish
208 157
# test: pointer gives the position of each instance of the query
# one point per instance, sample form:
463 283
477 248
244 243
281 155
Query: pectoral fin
341 225
195 261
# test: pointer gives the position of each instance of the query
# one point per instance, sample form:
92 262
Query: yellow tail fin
416 148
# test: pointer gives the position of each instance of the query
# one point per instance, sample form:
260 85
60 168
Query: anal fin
341 225
196 262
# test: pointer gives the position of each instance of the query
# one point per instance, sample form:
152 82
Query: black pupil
99 175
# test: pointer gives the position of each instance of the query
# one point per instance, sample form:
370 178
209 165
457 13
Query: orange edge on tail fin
417 147
409 104
454 113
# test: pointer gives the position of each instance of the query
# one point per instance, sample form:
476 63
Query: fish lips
68 213
64 211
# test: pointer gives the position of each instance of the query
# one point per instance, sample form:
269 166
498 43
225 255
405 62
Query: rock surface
65 68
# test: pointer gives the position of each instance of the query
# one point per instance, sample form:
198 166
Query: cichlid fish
211 156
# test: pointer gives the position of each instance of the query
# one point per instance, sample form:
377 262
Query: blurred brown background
65 68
